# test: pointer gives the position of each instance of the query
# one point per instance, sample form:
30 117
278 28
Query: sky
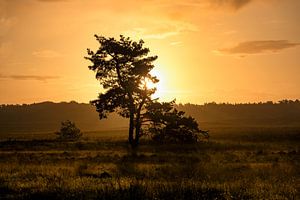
235 51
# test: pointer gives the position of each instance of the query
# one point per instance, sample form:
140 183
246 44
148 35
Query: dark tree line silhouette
47 116
281 113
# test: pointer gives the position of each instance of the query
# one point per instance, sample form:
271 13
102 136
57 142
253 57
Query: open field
236 163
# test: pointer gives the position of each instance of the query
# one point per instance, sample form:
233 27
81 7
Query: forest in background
47 116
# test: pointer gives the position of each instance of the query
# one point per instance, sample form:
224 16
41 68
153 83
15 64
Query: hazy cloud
46 54
51 1
176 43
161 35
28 77
234 4
163 30
258 47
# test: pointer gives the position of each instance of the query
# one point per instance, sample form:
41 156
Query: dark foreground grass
138 190
240 166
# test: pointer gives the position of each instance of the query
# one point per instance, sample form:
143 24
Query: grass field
236 163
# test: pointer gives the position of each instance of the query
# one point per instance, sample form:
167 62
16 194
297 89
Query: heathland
252 153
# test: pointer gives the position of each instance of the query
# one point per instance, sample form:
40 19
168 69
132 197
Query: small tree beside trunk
164 124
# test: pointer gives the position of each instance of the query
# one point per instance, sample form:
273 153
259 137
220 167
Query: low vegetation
244 163
68 131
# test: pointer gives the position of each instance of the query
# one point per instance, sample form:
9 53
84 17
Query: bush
68 131
167 124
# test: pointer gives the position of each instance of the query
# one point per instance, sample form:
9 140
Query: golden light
159 93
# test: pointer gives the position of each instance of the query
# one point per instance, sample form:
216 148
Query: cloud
46 54
28 77
176 43
233 4
162 30
161 35
258 47
52 1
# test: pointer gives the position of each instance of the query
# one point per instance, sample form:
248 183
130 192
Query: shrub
167 124
68 131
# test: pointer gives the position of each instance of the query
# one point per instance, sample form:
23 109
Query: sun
159 93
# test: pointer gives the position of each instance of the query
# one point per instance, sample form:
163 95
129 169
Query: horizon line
180 103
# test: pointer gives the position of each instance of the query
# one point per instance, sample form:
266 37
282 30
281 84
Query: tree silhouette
68 131
166 124
122 68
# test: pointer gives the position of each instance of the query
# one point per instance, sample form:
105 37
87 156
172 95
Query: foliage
167 124
68 131
122 68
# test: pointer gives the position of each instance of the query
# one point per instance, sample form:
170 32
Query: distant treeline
282 113
46 116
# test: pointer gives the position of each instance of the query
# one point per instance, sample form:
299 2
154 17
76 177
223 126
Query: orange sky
208 50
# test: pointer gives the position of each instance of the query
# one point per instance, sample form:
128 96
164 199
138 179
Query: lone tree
123 69
68 131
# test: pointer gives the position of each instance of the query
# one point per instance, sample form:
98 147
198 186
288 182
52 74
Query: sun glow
159 93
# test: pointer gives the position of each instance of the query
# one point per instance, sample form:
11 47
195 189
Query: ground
236 163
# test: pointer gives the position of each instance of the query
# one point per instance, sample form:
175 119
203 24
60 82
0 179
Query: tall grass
238 168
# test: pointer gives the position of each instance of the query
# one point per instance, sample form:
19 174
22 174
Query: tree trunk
131 129
138 124
137 133
131 120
